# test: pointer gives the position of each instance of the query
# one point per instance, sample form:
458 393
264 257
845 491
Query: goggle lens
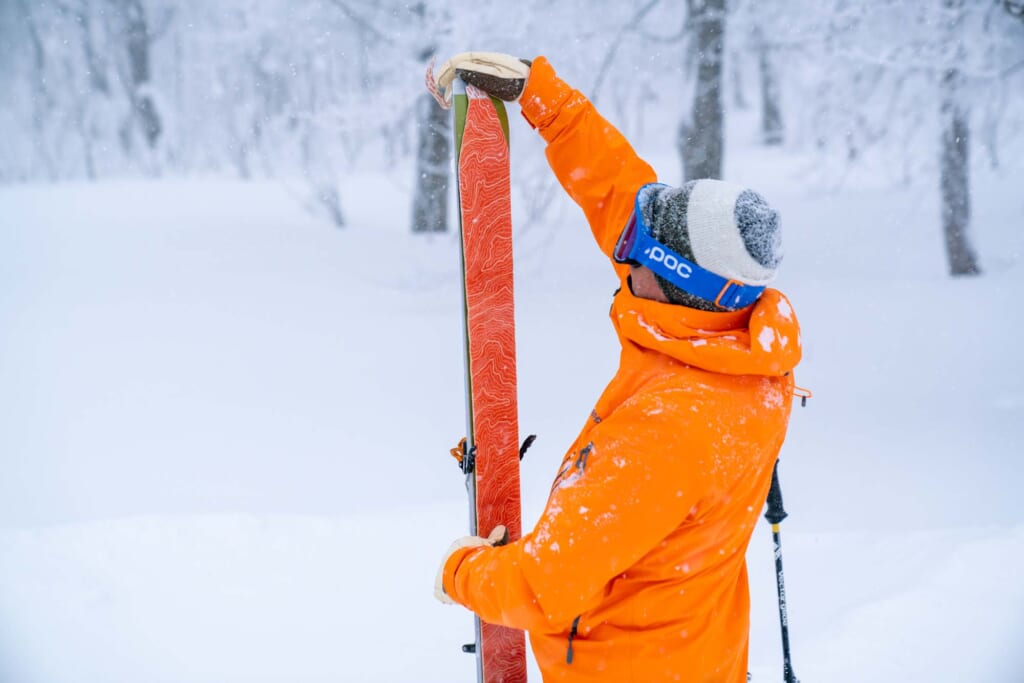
626 241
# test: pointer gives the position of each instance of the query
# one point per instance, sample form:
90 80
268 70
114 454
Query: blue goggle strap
681 272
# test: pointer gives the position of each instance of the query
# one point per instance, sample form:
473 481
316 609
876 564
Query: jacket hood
762 339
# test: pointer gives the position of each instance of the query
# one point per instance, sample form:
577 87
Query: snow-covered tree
309 91
954 178
434 147
700 138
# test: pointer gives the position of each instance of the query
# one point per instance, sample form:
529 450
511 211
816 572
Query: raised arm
591 159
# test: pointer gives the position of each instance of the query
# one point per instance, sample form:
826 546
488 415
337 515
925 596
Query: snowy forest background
230 365
316 88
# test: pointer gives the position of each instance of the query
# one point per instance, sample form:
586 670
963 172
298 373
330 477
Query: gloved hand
498 536
499 75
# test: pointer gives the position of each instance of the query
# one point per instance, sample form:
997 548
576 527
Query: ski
491 452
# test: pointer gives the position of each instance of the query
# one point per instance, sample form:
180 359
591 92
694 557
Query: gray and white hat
725 228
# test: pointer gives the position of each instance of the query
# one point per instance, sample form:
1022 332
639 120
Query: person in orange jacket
636 569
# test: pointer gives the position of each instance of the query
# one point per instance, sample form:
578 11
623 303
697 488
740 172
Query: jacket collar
762 339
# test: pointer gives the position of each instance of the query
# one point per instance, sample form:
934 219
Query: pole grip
775 513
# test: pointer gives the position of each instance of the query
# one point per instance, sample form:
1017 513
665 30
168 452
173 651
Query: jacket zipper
572 635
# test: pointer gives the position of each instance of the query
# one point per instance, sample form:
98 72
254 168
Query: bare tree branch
674 38
162 23
361 21
1013 69
610 55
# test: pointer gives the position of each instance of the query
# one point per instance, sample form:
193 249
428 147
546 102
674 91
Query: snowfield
224 431
217 598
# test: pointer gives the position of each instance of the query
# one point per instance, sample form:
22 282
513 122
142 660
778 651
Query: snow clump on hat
722 227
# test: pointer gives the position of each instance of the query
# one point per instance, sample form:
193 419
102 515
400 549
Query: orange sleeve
610 506
591 159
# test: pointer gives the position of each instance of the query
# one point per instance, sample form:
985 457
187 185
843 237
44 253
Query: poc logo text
658 255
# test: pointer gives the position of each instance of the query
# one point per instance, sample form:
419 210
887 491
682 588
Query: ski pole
775 514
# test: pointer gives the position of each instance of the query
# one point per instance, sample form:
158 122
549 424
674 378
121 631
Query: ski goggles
637 247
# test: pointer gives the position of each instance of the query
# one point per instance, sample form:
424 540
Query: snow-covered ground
224 431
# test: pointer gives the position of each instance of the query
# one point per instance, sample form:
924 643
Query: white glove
498 536
498 74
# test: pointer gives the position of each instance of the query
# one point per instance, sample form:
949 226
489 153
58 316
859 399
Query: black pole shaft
775 514
787 665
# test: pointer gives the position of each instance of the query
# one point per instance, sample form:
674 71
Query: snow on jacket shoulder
636 570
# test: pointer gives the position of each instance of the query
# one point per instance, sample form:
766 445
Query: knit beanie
721 227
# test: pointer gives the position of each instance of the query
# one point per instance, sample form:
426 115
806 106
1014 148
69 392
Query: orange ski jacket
636 570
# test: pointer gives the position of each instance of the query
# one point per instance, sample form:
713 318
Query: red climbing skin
485 198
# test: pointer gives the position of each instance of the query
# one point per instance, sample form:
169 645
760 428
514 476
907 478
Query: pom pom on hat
720 226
